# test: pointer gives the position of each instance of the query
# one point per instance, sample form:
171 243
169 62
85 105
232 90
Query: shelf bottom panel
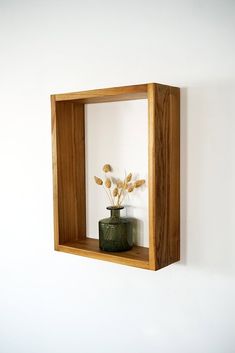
138 256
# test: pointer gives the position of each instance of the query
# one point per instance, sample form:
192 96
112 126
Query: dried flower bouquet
117 189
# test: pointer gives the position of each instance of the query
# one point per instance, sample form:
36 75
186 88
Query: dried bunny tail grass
114 180
120 184
98 180
125 186
128 178
108 183
107 168
130 188
115 192
139 183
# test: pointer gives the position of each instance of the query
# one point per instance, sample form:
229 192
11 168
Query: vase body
115 232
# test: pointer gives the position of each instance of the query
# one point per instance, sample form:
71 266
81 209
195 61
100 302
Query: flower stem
108 194
111 197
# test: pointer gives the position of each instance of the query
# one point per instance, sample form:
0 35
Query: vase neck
115 213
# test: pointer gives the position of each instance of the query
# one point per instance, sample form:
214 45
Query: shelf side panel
174 176
70 146
167 169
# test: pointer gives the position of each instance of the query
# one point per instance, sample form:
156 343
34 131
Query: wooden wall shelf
68 146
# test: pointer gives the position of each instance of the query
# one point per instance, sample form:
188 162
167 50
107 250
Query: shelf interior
90 245
71 183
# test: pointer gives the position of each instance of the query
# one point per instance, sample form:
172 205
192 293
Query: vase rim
114 208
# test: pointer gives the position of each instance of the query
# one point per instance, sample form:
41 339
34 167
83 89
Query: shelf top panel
105 95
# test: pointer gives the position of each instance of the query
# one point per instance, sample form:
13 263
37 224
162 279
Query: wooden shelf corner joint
68 151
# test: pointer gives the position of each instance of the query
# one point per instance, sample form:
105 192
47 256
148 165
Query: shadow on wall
138 226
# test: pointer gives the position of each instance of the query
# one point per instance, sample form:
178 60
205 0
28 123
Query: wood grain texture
164 175
55 173
70 160
137 256
68 148
152 201
106 94
174 177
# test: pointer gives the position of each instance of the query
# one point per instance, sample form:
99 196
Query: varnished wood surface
152 196
55 171
70 161
68 147
164 169
106 94
174 177
137 256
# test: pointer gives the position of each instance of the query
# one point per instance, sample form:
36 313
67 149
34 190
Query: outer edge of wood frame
152 175
102 92
104 257
175 134
54 168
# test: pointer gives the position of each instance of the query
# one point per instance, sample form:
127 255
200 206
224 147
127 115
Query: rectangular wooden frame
68 149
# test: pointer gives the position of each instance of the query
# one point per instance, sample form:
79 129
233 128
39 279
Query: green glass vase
115 232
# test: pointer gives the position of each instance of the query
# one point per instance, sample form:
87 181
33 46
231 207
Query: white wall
117 133
60 303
